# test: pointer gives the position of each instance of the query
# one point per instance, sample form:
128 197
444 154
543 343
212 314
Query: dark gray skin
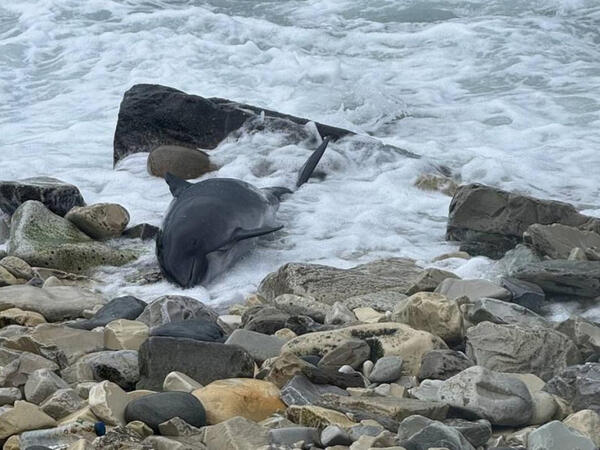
211 224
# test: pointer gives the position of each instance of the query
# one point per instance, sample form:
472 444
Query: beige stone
108 401
83 415
230 322
282 369
81 444
23 416
316 416
17 267
184 162
16 316
431 312
235 434
140 428
125 334
245 397
586 422
367 315
442 257
52 282
544 408
74 343
389 339
12 443
434 182
285 334
101 220
533 382
180 382
7 278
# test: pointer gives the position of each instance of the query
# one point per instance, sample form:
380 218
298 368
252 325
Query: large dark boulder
198 329
203 361
58 196
153 115
489 221
564 277
127 307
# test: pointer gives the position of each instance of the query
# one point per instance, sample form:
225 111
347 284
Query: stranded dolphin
211 224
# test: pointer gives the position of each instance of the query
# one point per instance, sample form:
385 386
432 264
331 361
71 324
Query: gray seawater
504 92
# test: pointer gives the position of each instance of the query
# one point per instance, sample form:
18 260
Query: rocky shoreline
387 354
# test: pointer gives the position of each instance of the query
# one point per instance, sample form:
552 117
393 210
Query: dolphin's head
181 256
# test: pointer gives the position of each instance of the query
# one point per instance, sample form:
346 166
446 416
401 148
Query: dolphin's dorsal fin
176 185
312 161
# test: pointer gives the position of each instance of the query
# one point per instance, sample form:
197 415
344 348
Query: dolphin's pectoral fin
176 185
240 234
274 194
311 163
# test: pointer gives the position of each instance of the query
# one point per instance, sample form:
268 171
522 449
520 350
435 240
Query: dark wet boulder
198 329
127 307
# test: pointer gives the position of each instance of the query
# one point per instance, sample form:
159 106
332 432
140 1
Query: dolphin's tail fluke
310 164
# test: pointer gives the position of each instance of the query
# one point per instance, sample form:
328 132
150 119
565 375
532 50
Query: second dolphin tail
310 164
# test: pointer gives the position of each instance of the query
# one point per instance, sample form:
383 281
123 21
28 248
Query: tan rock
245 397
52 282
7 278
285 334
180 382
586 422
83 415
74 343
101 220
134 395
367 315
230 322
431 312
17 267
389 339
461 255
184 162
81 444
544 408
434 182
12 443
23 416
235 434
533 382
316 416
108 401
282 369
140 428
16 316
125 334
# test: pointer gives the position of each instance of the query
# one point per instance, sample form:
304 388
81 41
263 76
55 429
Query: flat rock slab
203 361
578 278
329 284
54 303
557 241
58 196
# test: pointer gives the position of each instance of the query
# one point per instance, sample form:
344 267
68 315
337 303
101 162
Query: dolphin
211 224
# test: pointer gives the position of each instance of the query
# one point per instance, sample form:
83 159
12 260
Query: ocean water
503 92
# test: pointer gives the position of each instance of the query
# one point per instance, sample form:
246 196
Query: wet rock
483 214
198 329
385 339
101 220
127 307
501 312
55 194
431 312
578 278
300 391
587 422
555 435
259 346
353 352
493 396
579 385
154 115
180 382
235 434
519 349
125 334
44 239
158 356
55 304
175 308
22 417
528 295
434 182
291 435
143 231
41 384
585 334
253 399
155 409
62 403
183 162
340 378
557 241
229 322
443 364
339 314
120 367
329 285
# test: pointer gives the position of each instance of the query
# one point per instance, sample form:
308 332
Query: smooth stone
443 364
62 403
229 322
183 162
264 319
301 305
54 303
236 433
55 194
367 314
158 356
108 401
259 346
41 384
16 316
388 339
367 368
329 285
300 391
557 436
557 240
100 220
501 312
428 390
333 435
317 416
41 238
429 280
584 333
23 416
291 435
353 352
246 397
121 367
519 349
587 422
180 382
386 369
431 312
577 278
544 408
127 307
579 385
155 409
339 314
524 293
473 289
493 396
175 308
123 334
9 395
198 329
285 334
7 278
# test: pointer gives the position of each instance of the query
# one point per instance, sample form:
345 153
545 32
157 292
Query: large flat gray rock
577 278
557 240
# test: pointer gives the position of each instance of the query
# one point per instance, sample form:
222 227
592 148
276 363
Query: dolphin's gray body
210 225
